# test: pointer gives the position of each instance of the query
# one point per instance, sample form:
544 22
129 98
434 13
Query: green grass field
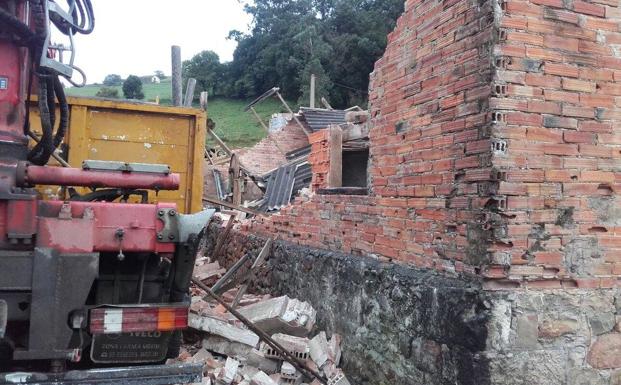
236 127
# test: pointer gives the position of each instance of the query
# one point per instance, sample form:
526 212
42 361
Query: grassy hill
236 127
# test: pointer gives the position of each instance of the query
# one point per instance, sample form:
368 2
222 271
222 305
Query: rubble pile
234 355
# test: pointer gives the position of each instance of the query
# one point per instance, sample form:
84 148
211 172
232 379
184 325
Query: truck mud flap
139 375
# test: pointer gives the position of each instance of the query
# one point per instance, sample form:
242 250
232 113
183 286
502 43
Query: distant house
155 79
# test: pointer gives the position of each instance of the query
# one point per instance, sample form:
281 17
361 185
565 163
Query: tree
206 68
338 40
160 74
132 88
112 80
108 92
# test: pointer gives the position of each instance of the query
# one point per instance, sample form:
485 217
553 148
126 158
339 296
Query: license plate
137 347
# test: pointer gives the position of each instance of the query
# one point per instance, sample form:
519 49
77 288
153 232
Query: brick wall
494 147
429 138
270 152
556 92
319 158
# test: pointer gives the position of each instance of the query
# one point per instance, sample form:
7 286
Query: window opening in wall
355 167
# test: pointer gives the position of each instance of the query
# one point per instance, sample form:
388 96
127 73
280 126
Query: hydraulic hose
51 100
41 153
64 112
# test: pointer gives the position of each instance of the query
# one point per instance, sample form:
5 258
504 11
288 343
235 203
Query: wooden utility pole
189 93
312 91
177 93
204 100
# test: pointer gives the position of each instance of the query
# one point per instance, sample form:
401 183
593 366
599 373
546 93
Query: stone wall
401 326
404 325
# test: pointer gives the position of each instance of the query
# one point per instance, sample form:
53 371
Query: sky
133 37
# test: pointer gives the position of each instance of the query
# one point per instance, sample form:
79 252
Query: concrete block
297 346
319 349
225 347
262 379
248 371
282 315
258 359
228 372
338 379
208 270
289 374
335 348
223 329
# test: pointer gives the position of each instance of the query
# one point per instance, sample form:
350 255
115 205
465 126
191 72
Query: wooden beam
326 104
229 205
284 103
335 173
259 119
249 280
312 91
235 179
220 142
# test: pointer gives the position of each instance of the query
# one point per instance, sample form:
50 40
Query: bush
112 80
132 88
108 92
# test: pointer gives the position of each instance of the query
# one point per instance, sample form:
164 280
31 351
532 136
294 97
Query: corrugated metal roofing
303 151
319 119
285 182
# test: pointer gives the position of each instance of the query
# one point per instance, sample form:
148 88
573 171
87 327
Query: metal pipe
28 175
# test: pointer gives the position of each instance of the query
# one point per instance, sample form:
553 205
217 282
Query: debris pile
234 355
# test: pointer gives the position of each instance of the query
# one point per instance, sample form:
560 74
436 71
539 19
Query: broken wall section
429 139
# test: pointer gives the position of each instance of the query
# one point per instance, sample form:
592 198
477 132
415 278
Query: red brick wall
429 137
319 158
270 152
556 96
495 147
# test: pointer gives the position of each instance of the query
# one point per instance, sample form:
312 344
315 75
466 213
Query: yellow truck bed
104 129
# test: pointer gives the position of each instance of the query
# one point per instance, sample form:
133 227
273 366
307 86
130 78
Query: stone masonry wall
428 141
404 325
400 326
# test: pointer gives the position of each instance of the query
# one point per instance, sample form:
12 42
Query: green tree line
337 40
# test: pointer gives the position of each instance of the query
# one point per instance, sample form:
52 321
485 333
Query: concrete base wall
407 326
401 326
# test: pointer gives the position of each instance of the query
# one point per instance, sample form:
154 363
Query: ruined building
486 249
